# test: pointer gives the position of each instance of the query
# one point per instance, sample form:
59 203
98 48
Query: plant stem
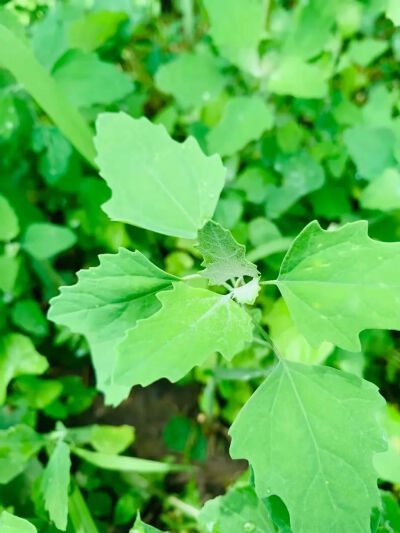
191 276
264 335
188 18
184 507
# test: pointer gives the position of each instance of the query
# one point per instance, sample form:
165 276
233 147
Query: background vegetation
303 105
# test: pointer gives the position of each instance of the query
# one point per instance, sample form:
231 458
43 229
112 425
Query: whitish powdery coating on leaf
191 324
156 182
310 434
224 258
338 283
106 302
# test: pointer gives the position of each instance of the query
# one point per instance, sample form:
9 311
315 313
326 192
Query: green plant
310 433
300 101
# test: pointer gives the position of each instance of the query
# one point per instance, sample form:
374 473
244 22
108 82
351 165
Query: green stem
185 508
188 18
269 13
264 335
191 276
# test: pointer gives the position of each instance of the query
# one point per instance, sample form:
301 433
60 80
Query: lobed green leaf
156 182
310 434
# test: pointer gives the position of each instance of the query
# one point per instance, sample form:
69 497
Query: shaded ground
149 409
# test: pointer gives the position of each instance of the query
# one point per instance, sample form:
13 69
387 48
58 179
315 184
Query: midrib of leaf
131 298
16 57
221 301
311 433
125 304
168 193
123 301
317 448
278 390
173 199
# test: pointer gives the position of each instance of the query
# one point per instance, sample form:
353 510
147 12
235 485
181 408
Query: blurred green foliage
302 101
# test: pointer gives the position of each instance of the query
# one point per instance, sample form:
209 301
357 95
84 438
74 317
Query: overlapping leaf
191 324
43 240
124 463
289 341
371 149
106 302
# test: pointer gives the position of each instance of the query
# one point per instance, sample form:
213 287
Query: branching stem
264 336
